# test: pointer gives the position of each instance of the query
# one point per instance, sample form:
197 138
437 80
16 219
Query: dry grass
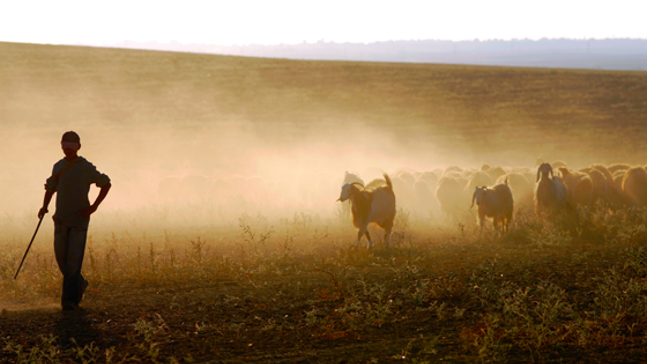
293 290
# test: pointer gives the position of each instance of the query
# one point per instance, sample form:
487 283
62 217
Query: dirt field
220 279
299 292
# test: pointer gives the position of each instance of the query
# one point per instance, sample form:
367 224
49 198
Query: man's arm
48 197
86 212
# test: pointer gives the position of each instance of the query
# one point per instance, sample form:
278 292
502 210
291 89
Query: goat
371 206
550 193
495 202
349 178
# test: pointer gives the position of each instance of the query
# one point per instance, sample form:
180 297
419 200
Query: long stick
32 240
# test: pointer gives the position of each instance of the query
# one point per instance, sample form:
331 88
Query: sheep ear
473 198
538 169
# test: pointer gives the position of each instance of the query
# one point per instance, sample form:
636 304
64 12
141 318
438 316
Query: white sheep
407 177
371 206
580 190
404 190
426 202
559 164
550 193
495 173
620 198
598 181
495 202
474 180
634 185
450 195
618 167
579 187
608 178
522 189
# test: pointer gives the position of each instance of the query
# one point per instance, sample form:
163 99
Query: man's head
71 143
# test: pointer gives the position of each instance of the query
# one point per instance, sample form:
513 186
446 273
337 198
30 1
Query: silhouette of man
71 178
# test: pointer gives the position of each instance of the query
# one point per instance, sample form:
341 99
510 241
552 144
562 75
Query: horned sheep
371 206
349 178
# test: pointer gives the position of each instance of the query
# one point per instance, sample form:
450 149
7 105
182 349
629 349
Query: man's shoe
84 285
69 306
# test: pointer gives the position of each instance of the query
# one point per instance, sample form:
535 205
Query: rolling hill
215 114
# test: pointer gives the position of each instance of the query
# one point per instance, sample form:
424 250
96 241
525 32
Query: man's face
70 149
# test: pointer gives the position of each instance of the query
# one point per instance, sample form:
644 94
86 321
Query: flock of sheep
440 194
495 191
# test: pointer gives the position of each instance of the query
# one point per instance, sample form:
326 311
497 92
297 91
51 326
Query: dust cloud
237 169
196 138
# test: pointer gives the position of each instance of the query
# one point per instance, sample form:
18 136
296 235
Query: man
71 178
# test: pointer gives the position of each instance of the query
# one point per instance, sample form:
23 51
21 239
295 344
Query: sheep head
479 195
544 168
348 190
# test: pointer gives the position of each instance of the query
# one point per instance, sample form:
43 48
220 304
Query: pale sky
235 22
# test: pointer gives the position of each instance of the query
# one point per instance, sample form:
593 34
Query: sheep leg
363 231
495 223
481 218
388 228
508 221
370 242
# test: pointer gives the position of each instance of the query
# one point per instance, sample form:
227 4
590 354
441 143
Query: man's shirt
72 188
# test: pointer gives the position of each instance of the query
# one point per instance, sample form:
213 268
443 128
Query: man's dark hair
71 136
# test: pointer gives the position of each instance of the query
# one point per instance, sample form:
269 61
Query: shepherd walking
71 178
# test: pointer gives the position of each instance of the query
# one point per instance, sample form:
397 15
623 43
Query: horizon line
323 41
